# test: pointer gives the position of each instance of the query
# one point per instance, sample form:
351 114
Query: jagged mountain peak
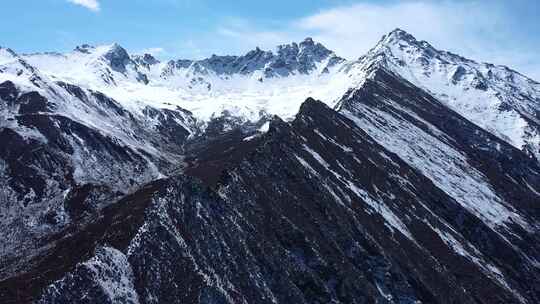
306 45
105 50
8 51
492 96
403 41
285 60
289 46
257 52
115 52
145 60
307 40
311 104
116 58
407 51
398 35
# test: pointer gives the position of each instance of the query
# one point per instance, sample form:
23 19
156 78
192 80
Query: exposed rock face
111 277
117 58
145 60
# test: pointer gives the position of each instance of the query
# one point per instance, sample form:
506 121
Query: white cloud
466 27
252 38
92 5
246 35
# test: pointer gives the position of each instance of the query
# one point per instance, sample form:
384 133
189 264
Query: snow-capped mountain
250 85
496 98
286 60
62 143
126 179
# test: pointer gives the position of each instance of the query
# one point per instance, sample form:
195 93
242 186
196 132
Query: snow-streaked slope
111 276
487 177
84 104
423 133
61 144
496 98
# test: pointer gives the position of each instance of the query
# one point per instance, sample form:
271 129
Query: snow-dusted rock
496 98
125 179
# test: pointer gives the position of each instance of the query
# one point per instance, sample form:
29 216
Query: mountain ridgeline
410 175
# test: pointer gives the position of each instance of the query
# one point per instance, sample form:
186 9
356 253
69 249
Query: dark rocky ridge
350 222
367 204
59 172
514 176
115 224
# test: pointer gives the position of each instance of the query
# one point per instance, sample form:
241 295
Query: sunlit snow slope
496 98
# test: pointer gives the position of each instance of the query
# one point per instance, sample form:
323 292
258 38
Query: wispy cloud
92 5
467 27
247 34
252 38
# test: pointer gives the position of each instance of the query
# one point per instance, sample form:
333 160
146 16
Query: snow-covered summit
145 60
494 97
257 83
285 60
6 54
117 58
91 66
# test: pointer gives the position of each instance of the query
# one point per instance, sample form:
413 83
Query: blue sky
502 32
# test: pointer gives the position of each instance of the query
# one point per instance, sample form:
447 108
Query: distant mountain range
409 175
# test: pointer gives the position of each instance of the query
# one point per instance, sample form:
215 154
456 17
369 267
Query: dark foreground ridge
315 211
391 197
